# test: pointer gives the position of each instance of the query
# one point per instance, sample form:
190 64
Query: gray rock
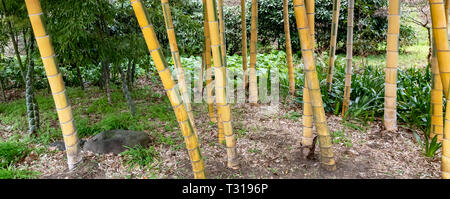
62 147
113 141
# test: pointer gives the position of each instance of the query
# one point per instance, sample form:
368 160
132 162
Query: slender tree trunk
288 48
2 88
209 79
253 79
307 134
430 48
125 90
244 44
177 61
334 31
440 37
224 58
390 97
80 77
326 147
32 128
437 115
56 82
190 137
348 69
223 108
106 79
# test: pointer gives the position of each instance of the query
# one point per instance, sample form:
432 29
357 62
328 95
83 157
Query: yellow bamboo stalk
209 80
288 48
177 61
223 108
437 115
348 69
253 80
334 31
326 147
244 43
307 135
447 5
439 24
224 58
190 137
55 79
393 34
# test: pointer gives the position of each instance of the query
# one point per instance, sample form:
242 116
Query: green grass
12 152
11 172
140 156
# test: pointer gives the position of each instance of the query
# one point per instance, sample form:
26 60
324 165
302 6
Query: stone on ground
113 141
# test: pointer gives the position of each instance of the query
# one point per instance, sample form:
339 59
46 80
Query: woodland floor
268 146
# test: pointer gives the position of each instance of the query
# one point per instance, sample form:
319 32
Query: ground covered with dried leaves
268 144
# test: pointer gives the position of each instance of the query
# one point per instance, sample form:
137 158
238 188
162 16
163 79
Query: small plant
11 172
140 156
430 147
340 137
12 152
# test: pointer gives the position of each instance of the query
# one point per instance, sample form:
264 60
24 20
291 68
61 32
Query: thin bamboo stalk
244 43
307 134
326 147
224 58
348 70
393 34
177 60
253 80
209 80
223 108
56 82
288 48
190 136
334 31
439 24
437 115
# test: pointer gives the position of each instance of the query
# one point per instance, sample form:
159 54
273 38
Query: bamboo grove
214 56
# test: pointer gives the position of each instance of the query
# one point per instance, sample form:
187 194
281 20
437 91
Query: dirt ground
268 146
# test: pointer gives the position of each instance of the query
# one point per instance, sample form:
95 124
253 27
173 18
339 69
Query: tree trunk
190 137
307 134
253 79
32 128
326 147
244 44
288 48
440 38
2 88
334 31
223 108
390 96
348 70
56 82
177 61
125 90
106 80
209 78
80 77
